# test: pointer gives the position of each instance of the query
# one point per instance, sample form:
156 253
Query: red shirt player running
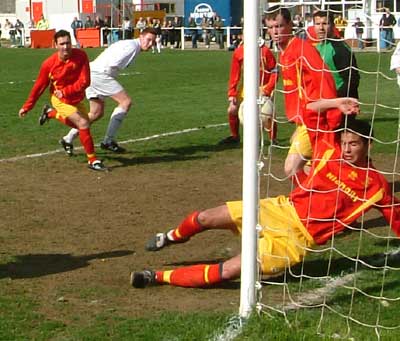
68 75
306 78
268 79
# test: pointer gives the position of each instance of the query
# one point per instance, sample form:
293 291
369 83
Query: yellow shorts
300 142
283 239
65 110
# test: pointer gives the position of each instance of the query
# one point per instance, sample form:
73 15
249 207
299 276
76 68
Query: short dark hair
360 127
61 33
274 11
324 14
150 30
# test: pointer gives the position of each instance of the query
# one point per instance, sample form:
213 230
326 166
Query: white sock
72 134
116 119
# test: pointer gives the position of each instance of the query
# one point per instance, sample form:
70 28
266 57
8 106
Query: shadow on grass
173 154
37 265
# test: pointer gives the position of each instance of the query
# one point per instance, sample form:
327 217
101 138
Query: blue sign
199 9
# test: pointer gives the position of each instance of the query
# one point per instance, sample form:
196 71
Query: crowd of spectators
211 29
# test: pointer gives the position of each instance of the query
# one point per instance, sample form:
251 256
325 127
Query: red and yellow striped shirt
72 77
336 192
306 78
268 71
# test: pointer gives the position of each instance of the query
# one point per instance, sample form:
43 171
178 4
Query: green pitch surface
178 114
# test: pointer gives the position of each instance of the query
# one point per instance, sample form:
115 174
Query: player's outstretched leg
194 276
187 228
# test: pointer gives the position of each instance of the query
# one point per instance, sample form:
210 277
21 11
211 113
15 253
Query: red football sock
187 228
234 124
64 120
192 276
52 113
87 143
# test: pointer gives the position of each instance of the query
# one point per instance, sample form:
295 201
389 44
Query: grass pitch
172 92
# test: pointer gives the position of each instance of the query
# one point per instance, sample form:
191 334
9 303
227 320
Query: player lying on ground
67 72
103 72
342 186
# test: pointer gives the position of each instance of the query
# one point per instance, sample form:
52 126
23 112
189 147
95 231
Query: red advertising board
87 6
37 11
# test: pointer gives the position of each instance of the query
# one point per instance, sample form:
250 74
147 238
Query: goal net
350 285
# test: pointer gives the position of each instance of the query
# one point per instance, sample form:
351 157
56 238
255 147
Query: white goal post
250 157
339 280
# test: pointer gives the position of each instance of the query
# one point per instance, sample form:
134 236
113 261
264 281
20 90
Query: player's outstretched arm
347 105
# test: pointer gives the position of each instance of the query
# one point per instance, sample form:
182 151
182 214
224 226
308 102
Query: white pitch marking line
59 150
316 296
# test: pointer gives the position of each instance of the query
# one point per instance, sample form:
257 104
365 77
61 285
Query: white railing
184 32
16 40
371 36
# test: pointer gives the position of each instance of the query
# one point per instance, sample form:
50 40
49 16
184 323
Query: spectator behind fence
236 35
42 24
149 22
177 24
9 27
98 22
340 24
359 26
193 32
206 31
171 34
157 28
75 25
386 29
127 27
219 32
107 34
89 23
19 27
164 32
140 24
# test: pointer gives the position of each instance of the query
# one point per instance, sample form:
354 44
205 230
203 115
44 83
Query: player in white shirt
395 62
103 72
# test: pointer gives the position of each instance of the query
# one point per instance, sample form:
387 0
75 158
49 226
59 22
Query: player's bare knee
94 116
126 104
204 218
